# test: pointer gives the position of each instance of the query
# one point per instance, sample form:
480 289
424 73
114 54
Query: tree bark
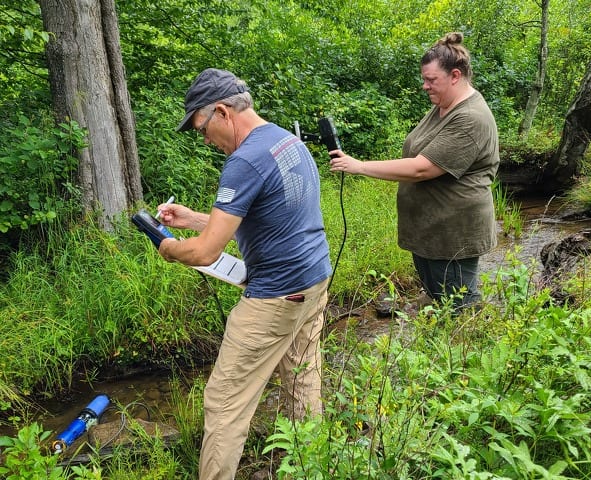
565 165
538 85
122 100
87 81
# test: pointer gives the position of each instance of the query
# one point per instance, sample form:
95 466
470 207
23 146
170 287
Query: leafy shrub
173 163
24 458
37 173
499 394
368 123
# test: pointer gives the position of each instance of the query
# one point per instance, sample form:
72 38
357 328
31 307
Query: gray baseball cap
210 86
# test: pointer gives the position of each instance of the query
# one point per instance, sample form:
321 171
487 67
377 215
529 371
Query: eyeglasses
202 129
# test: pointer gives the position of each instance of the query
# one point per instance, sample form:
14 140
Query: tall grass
360 219
507 210
89 298
580 195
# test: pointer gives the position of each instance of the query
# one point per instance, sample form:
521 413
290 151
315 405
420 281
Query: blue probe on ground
86 418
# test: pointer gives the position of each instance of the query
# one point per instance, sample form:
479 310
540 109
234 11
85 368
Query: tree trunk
538 85
87 80
565 165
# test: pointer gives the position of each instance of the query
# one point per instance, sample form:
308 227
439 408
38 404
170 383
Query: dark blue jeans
441 278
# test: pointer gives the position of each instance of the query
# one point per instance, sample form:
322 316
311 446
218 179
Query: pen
170 200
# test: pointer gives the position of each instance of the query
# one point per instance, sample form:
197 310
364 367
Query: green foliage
37 180
356 61
22 39
531 422
502 394
569 41
168 44
171 163
101 299
368 122
24 458
482 396
352 60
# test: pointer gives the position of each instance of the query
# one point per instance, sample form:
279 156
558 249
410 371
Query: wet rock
153 394
385 305
117 433
261 475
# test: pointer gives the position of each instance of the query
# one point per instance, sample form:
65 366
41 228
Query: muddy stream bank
152 391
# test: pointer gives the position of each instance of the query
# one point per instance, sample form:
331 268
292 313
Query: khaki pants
260 335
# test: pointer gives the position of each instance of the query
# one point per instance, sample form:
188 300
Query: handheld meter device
227 267
151 227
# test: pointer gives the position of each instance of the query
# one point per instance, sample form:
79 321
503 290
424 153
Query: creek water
152 390
543 223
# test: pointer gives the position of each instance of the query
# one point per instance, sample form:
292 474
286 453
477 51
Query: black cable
330 139
215 296
336 263
123 424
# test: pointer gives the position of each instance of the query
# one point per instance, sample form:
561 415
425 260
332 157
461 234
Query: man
268 200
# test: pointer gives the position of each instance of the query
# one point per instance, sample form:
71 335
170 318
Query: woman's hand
344 163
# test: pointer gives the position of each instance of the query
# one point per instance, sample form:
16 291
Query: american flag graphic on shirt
225 195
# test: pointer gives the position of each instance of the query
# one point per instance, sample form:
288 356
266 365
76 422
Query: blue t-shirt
272 182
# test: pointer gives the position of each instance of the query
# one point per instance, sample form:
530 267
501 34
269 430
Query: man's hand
203 249
179 216
165 249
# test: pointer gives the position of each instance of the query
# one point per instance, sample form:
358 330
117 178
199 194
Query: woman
445 205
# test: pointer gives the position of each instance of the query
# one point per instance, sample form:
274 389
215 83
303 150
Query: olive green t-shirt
451 216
